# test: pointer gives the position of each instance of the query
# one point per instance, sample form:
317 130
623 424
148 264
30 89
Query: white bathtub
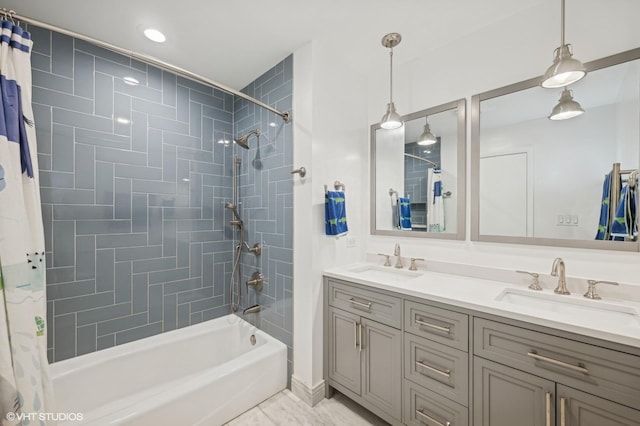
204 374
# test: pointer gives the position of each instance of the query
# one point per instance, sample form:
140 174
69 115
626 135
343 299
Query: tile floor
287 409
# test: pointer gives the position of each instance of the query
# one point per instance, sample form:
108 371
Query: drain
252 339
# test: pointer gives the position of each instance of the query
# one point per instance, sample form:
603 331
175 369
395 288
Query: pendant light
566 107
391 119
565 68
427 138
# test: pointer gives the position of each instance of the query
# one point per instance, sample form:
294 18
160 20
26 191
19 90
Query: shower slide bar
145 58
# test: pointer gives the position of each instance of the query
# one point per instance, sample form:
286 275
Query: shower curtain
25 387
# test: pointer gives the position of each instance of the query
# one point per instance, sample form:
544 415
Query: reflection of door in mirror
505 193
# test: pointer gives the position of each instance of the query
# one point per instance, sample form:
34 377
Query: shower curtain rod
149 59
422 159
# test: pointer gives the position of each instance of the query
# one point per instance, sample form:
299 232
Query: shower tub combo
205 374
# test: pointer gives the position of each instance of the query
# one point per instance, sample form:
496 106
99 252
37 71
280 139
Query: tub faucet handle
592 293
256 281
413 266
387 262
535 284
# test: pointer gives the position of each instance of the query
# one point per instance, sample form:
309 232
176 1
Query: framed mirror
559 182
418 174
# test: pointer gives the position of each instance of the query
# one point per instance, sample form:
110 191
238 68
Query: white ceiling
233 42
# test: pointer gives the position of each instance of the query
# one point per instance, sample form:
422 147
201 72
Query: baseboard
309 395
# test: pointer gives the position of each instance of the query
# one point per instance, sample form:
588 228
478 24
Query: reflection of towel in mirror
624 223
335 214
603 223
404 213
435 205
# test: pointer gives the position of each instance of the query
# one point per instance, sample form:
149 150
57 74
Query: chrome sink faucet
558 270
396 252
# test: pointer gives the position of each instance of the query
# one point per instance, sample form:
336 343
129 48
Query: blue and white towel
335 214
404 213
603 223
625 224
435 205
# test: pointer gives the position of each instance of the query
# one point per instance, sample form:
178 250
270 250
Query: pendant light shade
566 108
391 119
565 68
427 138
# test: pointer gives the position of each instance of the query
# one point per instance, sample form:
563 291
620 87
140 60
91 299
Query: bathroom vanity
427 348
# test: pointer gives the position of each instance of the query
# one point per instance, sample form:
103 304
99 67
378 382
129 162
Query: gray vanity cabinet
576 408
416 362
364 359
506 397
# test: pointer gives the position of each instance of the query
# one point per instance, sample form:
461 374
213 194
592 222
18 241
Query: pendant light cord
391 75
562 24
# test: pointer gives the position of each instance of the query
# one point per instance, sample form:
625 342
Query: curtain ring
11 15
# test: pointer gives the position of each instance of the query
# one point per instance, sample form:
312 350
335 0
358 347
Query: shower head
234 209
243 141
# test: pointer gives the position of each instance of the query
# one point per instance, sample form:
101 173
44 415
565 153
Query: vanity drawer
600 371
424 407
369 304
437 367
443 326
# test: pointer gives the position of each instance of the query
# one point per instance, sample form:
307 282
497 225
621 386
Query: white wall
347 95
389 174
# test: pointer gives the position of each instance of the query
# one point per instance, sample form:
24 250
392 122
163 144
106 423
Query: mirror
418 174
541 181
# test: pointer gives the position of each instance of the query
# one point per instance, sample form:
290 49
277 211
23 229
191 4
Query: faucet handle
386 261
413 266
535 284
591 292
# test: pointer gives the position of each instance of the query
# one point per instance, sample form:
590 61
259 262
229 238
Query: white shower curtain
25 386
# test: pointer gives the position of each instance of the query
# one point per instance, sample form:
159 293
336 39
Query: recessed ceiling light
426 151
272 124
155 35
123 120
131 81
224 142
186 180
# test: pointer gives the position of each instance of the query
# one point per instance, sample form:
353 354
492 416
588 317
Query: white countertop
481 295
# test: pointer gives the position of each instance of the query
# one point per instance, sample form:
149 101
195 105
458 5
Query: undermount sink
575 307
386 273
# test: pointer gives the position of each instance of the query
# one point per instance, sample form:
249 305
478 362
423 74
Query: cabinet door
344 349
504 396
382 367
576 408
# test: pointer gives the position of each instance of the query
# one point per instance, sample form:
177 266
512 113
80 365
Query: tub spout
252 310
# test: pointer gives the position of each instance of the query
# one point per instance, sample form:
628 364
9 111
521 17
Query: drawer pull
548 409
364 305
563 411
446 373
576 368
360 336
431 419
433 326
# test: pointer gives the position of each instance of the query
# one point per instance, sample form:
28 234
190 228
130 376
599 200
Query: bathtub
205 374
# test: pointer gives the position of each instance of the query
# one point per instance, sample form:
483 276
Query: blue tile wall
266 194
136 235
415 178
